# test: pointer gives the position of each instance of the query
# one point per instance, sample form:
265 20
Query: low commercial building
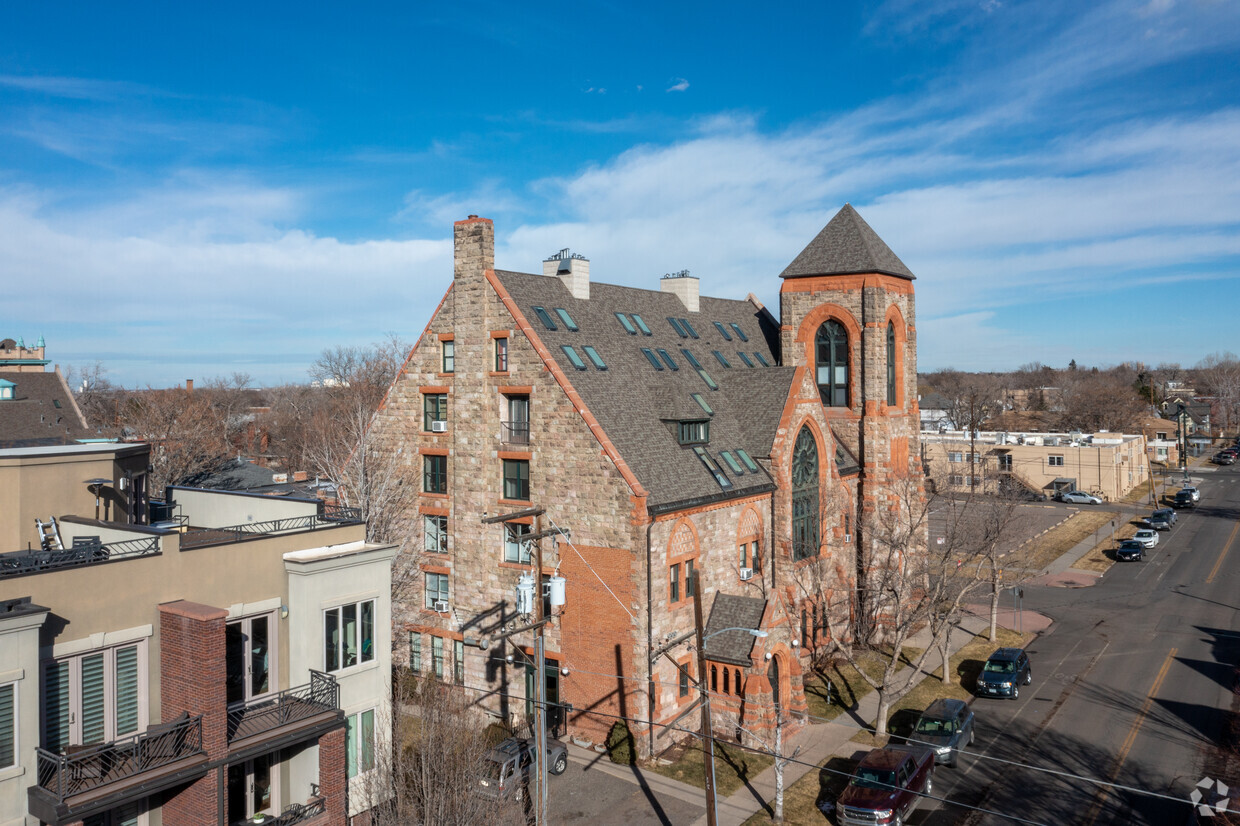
229 661
1108 465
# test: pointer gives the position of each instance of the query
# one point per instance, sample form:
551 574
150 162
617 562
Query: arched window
714 678
736 683
805 540
726 688
891 363
832 350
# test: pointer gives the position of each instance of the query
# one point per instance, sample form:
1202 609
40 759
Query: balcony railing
235 533
516 433
65 775
82 553
299 812
251 717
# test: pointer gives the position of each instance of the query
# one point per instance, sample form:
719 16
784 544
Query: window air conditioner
441 606
439 427
746 573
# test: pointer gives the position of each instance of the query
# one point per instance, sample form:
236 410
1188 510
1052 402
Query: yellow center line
1223 554
1132 735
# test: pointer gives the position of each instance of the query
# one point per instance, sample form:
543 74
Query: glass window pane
349 634
126 691
260 656
626 324
719 357
458 661
573 357
545 318
684 322
367 757
723 331
350 745
650 357
744 358
761 360
641 324
437 656
331 640
567 319
368 630
663 354
594 357
415 651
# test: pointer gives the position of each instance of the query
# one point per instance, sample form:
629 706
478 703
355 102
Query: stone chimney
473 246
573 270
684 286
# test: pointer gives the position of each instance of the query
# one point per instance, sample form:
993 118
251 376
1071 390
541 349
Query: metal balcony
86 779
294 712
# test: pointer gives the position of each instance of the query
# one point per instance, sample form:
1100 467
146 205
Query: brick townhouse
667 434
229 663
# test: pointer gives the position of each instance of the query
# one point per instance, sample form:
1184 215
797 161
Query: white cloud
679 86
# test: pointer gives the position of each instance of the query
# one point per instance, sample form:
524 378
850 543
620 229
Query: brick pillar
193 676
333 777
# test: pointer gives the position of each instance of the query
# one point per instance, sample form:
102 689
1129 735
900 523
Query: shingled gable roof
734 612
638 407
846 245
41 413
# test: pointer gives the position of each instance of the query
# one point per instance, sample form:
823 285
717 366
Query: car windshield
1000 666
929 726
875 778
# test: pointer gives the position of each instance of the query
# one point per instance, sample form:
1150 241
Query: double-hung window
434 473
458 662
435 528
449 355
437 657
94 697
517 479
360 743
515 549
436 590
348 635
415 652
1054 461
434 409
501 355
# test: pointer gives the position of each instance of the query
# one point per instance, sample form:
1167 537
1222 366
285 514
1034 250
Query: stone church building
667 434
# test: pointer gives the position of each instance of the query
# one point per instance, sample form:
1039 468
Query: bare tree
183 429
94 393
1219 377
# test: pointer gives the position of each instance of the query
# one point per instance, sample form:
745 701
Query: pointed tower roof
845 246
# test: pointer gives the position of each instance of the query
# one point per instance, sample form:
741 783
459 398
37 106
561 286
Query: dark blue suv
1004 673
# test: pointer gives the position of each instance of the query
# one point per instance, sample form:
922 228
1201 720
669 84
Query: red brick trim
434 451
501 334
435 389
821 283
515 390
523 455
434 510
447 336
436 569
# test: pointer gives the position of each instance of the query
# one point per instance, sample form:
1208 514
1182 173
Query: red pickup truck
886 786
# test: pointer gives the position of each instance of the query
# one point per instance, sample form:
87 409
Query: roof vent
572 269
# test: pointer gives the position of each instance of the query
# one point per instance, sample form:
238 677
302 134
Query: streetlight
97 484
712 815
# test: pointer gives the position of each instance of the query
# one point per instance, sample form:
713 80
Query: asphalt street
1129 691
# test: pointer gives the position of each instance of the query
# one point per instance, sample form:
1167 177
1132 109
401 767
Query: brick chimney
189 385
573 270
684 286
473 246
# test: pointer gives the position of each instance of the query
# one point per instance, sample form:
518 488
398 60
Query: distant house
934 412
36 407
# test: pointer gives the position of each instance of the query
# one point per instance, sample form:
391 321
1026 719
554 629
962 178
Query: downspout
649 639
771 549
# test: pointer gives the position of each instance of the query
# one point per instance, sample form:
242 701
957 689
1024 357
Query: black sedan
1130 550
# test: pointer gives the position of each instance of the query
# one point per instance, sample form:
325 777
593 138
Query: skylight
676 326
572 356
761 360
545 318
652 358
641 325
723 331
739 332
702 403
684 322
732 463
593 355
749 462
713 467
706 378
691 359
567 319
667 358
721 359
628 325
748 361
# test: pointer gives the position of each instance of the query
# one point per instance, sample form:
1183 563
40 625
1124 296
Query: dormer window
6 390
694 432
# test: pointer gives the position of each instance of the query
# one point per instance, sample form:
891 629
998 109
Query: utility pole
708 739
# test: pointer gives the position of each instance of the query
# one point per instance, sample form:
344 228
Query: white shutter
126 690
93 700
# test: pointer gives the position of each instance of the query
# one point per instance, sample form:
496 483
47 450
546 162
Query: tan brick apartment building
231 661
667 433
1108 465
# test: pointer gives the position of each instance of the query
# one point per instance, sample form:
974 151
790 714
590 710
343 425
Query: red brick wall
333 780
192 675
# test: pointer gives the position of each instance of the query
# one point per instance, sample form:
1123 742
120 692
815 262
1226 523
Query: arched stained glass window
805 539
891 363
831 347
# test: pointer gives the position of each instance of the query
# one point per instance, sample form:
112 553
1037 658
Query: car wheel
1015 692
972 734
930 783
560 764
1029 676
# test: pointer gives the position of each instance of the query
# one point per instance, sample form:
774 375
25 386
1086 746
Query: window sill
354 669
524 502
12 772
443 496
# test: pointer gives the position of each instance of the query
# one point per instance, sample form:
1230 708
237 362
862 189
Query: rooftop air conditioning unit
439 427
746 574
441 606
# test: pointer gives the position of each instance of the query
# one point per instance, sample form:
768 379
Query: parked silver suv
507 765
945 726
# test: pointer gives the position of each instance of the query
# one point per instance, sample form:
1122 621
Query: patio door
252 788
249 656
94 697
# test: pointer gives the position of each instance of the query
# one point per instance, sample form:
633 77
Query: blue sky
189 191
